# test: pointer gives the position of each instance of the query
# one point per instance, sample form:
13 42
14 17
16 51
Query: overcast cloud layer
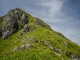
62 15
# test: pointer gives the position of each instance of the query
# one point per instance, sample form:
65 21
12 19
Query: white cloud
53 6
51 9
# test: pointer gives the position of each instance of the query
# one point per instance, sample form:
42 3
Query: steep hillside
24 37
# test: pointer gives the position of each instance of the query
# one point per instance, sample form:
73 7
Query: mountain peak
12 20
29 38
15 20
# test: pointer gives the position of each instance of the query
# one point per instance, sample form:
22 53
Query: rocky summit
24 37
11 22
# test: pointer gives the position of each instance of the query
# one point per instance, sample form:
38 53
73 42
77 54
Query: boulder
25 46
22 47
15 48
28 46
51 47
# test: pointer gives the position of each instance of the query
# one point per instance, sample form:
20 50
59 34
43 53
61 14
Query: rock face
13 21
0 32
25 30
38 21
24 19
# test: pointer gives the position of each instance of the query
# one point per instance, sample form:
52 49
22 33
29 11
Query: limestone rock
38 21
74 57
22 47
15 48
6 34
13 22
25 46
28 46
25 30
57 50
10 25
24 19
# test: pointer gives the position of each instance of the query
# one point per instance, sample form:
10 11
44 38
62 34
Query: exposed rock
6 34
38 21
13 22
25 46
74 57
0 32
28 46
24 19
15 48
57 50
26 28
22 47
17 14
49 45
10 25
53 49
11 12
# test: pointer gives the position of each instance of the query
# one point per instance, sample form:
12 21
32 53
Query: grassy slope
39 50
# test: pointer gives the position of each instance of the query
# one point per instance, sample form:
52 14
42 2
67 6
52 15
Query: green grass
39 51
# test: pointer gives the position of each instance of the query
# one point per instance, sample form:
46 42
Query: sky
62 15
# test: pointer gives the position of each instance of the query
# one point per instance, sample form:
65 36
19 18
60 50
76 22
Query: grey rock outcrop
10 25
15 48
74 57
28 46
13 21
25 46
24 19
38 21
6 34
22 47
57 50
25 30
